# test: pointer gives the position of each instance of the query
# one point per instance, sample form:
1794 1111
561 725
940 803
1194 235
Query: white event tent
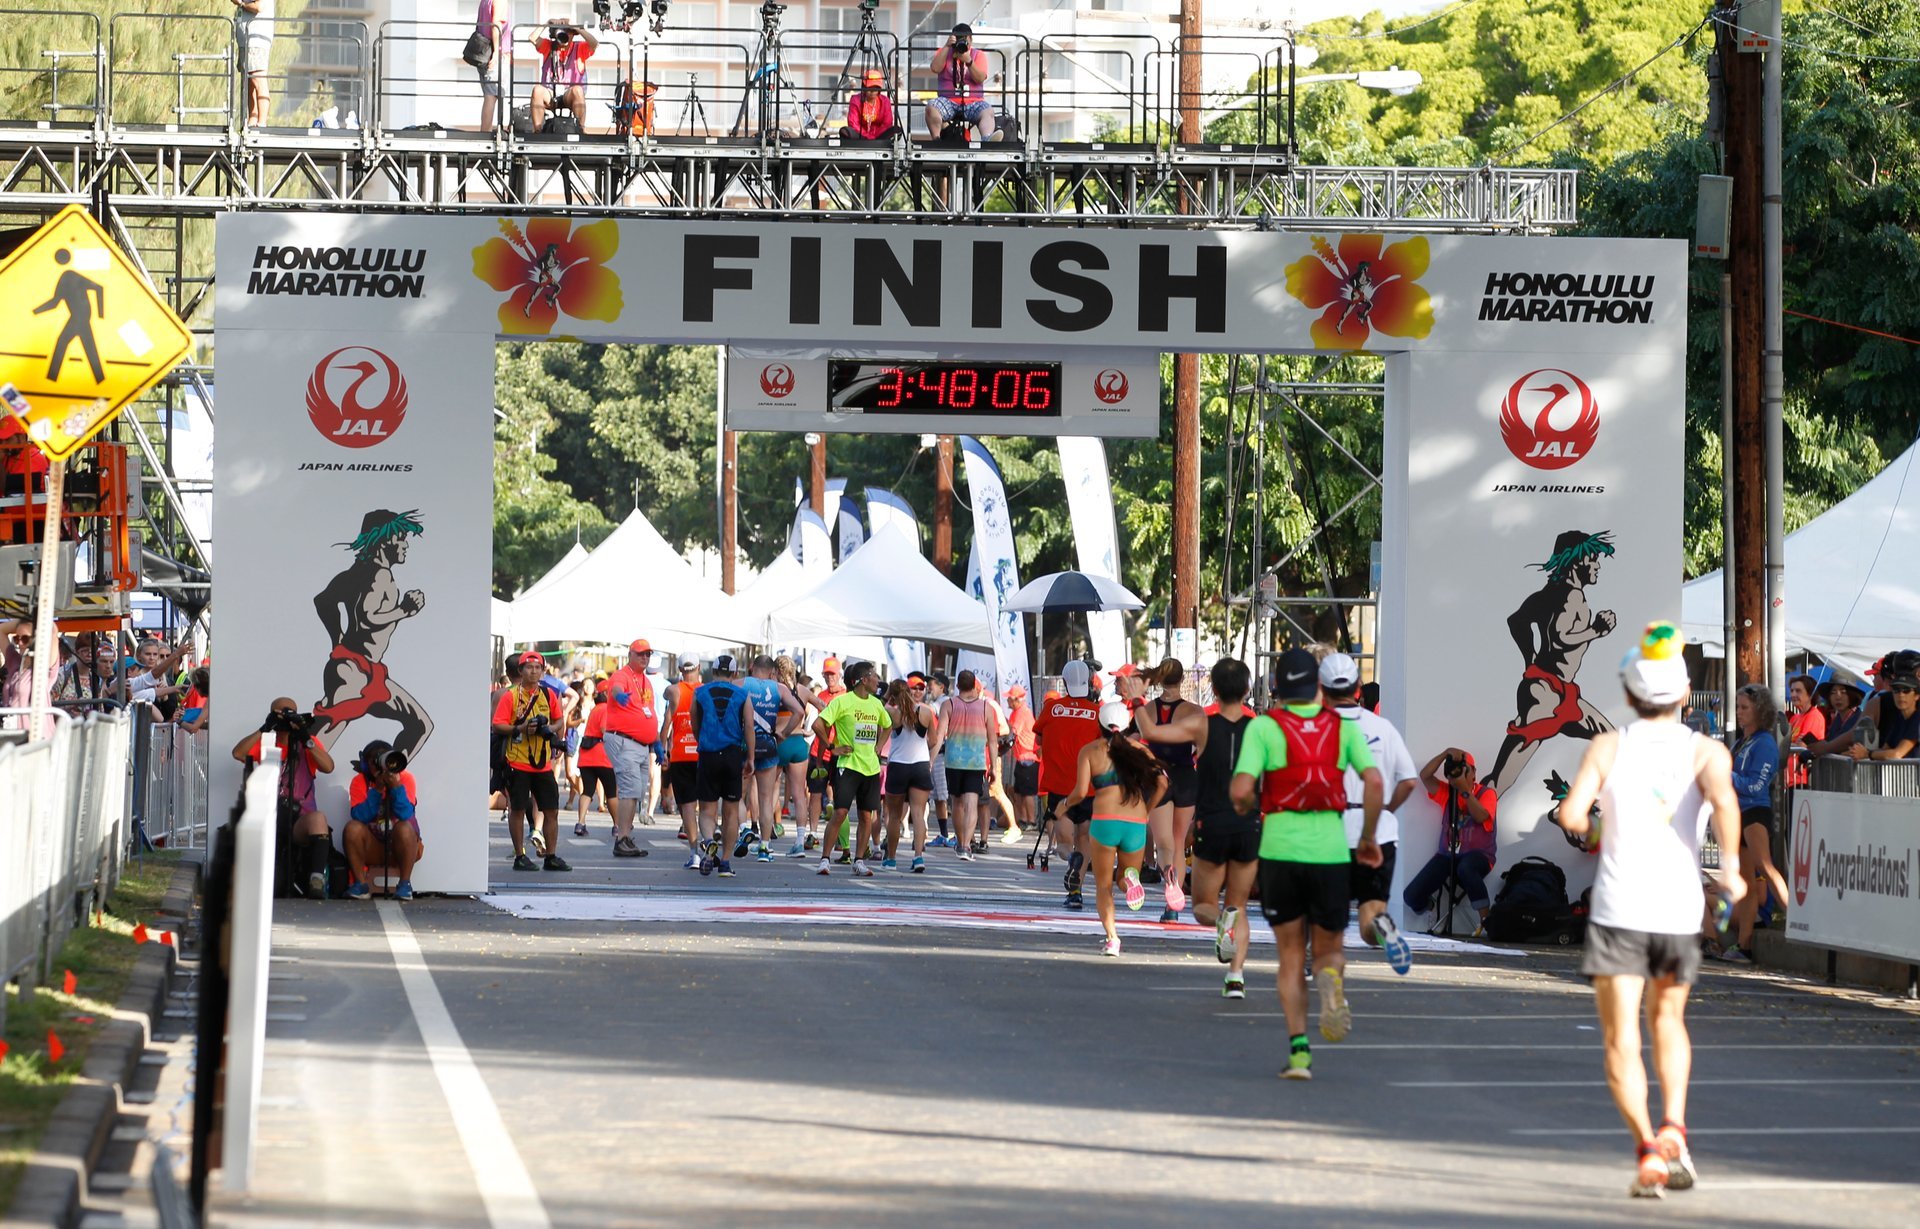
785 579
632 584
1853 592
575 556
887 588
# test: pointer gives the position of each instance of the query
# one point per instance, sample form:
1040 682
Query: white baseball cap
1338 672
1115 715
689 661
1075 677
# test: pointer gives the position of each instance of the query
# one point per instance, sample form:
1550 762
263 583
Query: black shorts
1757 817
1365 883
1314 890
533 791
856 791
1026 778
719 774
902 777
683 778
965 781
592 776
1183 785
1223 842
819 775
1081 813
1613 952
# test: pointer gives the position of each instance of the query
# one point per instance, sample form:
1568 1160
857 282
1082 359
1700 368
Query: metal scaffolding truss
199 174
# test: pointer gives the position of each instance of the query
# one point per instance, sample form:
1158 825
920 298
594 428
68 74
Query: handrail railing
193 53
32 87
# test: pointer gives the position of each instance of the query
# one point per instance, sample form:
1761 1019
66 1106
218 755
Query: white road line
506 1188
1789 1184
1692 1131
1602 1083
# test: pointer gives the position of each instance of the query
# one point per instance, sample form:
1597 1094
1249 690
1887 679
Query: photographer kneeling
381 802
309 836
1467 839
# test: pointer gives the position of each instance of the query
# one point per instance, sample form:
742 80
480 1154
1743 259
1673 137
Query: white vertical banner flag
832 491
887 512
1096 540
999 566
852 534
816 546
981 664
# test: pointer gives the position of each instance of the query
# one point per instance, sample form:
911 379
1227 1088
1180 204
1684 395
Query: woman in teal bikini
1125 782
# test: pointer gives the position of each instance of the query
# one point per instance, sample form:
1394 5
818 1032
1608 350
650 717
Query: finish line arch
1534 407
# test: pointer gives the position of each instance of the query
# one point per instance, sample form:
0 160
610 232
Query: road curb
55 1181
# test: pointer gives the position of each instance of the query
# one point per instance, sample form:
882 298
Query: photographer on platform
1467 840
961 69
383 826
301 760
564 49
529 715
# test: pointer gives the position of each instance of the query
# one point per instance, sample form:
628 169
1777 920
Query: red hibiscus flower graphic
549 270
1360 290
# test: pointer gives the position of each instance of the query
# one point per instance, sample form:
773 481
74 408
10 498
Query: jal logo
1111 386
776 381
1802 852
1534 405
356 397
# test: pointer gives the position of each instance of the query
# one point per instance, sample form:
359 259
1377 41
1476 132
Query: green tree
535 517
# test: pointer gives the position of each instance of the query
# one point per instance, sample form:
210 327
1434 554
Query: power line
1828 51
1623 80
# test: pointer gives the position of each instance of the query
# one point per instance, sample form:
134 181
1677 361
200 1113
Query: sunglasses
1903 689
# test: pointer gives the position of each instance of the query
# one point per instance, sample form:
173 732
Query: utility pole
1773 371
818 486
943 507
1185 611
1746 555
729 507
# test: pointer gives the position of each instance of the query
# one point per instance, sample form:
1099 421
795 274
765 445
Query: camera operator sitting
961 69
564 49
383 826
1467 837
311 837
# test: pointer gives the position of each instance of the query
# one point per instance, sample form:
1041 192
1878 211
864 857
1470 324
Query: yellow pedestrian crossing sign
81 332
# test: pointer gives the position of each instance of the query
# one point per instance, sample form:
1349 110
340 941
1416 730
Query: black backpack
1532 906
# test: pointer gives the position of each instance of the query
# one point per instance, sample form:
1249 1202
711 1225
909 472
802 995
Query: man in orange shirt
1063 726
630 729
529 716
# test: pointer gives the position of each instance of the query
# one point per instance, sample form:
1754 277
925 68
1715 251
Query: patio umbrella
1065 591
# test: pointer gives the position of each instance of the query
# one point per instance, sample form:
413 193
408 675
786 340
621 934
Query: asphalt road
732 1071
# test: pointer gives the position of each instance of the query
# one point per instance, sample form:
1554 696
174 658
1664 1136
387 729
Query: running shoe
317 886
405 892
579 829
825 867
1650 1175
889 864
765 855
966 855
919 866
1394 944
358 891
521 862
1013 836
693 862
846 856
626 847
861 870
538 840
1075 862
743 845
1136 895
1074 902
813 841
1672 1142
725 869
1299 1062
779 830
1235 986
1111 947
708 857
1169 915
1176 899
1731 954
1335 1016
1223 944
799 850
554 862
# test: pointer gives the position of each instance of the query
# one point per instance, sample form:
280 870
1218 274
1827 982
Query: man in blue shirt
725 738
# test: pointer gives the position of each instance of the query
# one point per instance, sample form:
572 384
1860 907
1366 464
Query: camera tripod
692 110
867 50
765 81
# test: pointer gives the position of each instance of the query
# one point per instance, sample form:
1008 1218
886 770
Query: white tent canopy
575 556
501 618
1853 593
887 588
632 584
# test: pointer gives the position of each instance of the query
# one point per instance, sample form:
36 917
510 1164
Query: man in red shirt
631 728
1063 726
529 715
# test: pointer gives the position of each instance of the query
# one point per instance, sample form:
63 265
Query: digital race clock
1002 390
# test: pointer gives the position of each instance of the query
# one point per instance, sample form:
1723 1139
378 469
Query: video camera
297 726
630 14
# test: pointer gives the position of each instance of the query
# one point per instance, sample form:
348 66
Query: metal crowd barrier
1842 774
171 789
63 841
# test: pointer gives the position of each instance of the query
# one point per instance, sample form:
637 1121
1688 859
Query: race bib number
866 733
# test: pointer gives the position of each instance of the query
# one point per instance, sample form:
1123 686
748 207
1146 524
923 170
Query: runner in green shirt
856 719
1294 763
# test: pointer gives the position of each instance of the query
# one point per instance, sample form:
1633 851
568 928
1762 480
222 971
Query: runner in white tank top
1653 783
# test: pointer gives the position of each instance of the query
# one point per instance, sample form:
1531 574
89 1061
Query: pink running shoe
1136 894
1176 899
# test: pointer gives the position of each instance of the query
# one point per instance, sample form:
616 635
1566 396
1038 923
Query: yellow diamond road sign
81 331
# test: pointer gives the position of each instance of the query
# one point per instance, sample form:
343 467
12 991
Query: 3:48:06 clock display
873 386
